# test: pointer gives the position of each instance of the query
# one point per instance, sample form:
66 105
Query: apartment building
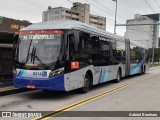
79 12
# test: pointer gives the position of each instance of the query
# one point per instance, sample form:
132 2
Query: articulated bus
65 55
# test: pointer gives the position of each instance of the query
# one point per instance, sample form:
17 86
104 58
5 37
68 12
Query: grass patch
154 65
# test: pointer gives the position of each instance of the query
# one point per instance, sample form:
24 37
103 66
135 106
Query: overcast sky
31 10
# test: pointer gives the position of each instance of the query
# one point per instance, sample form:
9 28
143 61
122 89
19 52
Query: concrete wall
142 34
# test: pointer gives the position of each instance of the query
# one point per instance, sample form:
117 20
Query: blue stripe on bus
100 76
136 68
22 73
103 75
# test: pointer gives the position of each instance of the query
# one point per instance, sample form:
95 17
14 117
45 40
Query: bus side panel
136 68
66 81
75 79
107 73
101 74
147 66
116 68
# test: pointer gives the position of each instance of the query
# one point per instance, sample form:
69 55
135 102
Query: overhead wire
90 11
157 3
111 20
109 10
149 6
93 11
100 8
34 4
128 28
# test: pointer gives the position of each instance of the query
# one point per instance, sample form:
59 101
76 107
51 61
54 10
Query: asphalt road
137 93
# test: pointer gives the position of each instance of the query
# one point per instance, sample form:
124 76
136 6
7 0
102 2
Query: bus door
71 63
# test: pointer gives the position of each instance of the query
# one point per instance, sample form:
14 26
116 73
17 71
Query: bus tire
86 85
144 70
141 71
118 76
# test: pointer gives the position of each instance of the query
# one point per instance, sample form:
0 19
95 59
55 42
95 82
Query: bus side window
84 49
96 53
120 53
71 46
105 52
81 44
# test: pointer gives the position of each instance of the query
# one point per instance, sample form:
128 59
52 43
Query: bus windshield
46 47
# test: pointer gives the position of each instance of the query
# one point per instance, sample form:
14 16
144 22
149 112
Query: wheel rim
118 77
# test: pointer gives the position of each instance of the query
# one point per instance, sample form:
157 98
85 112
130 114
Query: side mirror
15 41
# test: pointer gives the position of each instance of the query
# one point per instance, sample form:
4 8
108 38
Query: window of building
69 12
57 17
75 13
57 12
68 17
74 8
75 19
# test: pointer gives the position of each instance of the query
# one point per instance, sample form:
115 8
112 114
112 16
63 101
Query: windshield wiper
41 61
25 60
35 56
28 54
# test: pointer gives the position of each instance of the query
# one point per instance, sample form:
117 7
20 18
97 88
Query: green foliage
156 54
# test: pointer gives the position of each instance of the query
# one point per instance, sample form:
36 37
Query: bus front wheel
86 85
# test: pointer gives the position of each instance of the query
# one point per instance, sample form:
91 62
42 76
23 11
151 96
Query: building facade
147 35
79 12
8 28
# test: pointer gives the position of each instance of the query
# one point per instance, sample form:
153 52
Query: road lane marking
7 89
84 101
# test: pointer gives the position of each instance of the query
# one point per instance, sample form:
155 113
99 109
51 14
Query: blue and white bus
65 55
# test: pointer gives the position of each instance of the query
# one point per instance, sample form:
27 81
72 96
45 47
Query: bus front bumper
54 83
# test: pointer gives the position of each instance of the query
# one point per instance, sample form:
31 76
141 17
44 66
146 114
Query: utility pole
115 17
154 40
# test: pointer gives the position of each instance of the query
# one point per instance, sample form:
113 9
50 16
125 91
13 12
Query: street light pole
115 17
154 40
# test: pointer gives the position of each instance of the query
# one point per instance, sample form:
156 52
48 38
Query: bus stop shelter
6 57
8 28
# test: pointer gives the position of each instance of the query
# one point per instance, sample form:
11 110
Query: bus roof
72 24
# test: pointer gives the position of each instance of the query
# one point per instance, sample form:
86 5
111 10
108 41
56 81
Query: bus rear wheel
141 71
86 85
144 70
118 77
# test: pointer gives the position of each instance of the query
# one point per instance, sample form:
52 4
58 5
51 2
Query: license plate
31 86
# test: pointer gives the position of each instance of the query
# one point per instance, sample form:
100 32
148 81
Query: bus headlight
56 72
